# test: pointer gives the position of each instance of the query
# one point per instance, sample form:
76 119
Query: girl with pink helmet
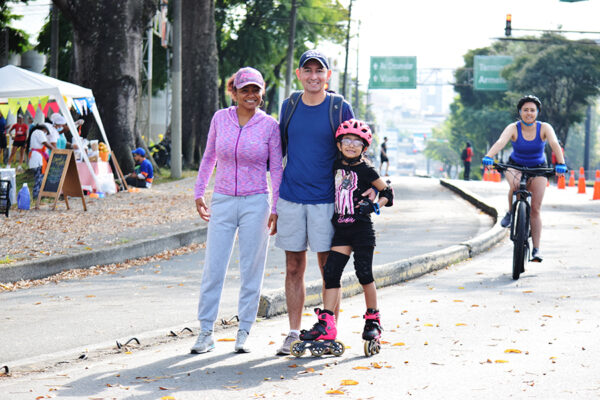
354 233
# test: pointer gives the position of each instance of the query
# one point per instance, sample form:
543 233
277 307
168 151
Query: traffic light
507 29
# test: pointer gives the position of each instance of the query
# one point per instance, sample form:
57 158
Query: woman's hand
272 224
202 209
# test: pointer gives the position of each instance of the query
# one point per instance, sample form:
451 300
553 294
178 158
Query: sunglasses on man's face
352 142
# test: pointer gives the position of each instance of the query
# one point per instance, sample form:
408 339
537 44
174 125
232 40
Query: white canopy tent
18 83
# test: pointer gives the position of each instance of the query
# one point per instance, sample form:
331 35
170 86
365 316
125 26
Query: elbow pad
388 193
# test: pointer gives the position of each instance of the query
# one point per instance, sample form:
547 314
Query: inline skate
320 339
372 332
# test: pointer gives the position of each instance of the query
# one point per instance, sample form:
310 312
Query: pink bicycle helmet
355 127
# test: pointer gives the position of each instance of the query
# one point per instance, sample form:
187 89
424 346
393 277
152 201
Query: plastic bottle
23 198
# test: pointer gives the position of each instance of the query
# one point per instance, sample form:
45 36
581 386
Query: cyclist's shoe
505 223
536 255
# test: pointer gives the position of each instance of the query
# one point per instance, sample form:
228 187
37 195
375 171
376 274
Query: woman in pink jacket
245 144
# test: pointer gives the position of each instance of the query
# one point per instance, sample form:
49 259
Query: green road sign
487 72
393 73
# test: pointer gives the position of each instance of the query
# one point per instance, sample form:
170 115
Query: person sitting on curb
143 173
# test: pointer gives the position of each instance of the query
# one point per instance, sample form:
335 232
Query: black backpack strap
290 107
335 111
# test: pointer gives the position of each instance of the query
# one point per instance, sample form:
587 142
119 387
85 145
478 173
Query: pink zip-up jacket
241 155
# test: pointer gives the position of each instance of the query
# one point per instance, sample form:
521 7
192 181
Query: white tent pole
76 138
101 126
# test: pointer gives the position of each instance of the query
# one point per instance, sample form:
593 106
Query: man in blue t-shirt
143 173
306 194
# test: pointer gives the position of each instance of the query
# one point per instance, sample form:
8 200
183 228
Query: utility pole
586 146
54 42
347 48
356 97
149 77
176 93
290 50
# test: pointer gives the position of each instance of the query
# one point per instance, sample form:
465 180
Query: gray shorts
302 224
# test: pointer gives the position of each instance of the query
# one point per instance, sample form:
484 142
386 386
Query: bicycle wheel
520 239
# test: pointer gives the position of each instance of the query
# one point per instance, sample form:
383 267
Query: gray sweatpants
247 215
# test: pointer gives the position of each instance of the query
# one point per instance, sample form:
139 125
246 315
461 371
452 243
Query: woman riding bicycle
528 138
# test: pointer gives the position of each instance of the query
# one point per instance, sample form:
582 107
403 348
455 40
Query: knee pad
334 267
363 264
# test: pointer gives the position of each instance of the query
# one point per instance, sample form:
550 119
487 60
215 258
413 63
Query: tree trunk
107 48
199 75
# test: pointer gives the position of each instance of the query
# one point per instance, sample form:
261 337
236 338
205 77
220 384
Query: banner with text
393 73
487 70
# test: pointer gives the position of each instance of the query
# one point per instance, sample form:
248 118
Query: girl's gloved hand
560 168
487 161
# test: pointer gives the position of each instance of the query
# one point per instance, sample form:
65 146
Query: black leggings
336 262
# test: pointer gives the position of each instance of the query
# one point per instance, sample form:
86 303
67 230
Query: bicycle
520 227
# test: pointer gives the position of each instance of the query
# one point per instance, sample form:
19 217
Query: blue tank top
529 153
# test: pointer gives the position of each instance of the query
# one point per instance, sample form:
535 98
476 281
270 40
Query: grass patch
6 260
163 175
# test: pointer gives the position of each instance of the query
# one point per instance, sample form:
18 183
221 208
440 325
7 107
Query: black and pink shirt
350 182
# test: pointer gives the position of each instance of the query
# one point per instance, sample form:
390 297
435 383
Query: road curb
42 268
273 303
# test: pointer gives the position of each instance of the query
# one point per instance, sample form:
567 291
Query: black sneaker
505 223
536 256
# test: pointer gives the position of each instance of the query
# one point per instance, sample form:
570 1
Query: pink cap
248 76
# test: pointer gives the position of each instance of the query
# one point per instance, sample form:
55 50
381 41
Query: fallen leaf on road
547 316
527 291
517 351
433 301
167 398
307 314
359 367
385 342
376 365
271 342
355 316
474 305
427 324
309 370
292 366
458 301
89 296
500 361
461 287
226 340
399 344
461 324
334 392
348 382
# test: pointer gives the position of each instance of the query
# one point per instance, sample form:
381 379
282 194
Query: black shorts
360 233
384 159
19 143
513 162
2 141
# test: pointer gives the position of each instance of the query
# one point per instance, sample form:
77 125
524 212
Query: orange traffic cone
581 182
485 174
561 182
572 179
597 186
498 176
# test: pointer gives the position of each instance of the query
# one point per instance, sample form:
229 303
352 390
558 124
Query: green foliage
18 40
65 45
255 33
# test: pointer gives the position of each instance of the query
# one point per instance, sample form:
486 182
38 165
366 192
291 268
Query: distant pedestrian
244 143
384 157
466 156
19 133
38 157
3 144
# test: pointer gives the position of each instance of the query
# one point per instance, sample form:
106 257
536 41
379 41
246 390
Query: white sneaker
284 350
204 343
240 342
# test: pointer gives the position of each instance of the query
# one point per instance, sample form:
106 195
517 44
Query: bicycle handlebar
548 172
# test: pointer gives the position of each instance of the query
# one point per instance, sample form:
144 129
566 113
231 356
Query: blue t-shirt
529 153
147 170
311 151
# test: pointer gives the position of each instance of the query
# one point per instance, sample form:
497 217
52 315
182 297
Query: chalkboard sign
61 176
54 172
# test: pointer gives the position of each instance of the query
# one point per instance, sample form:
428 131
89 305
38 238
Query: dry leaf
226 340
457 301
461 324
461 287
167 398
500 361
433 301
527 291
376 365
348 382
334 392
359 367
517 351
399 344
547 316
427 324
292 366
309 370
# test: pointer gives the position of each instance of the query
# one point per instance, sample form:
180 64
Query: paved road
468 331
55 321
